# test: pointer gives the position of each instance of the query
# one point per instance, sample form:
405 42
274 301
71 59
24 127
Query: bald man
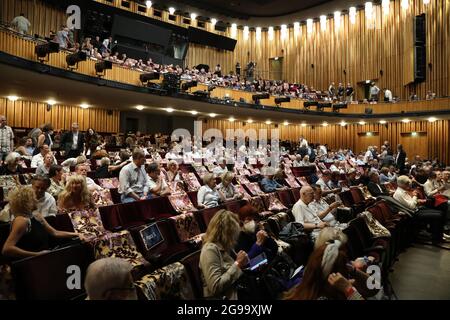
305 215
110 279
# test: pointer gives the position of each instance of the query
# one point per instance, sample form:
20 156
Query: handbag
375 227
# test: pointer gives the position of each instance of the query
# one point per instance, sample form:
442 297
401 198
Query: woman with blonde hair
207 195
76 195
219 270
29 235
226 189
173 172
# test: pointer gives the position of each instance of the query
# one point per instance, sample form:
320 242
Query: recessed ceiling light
343 123
140 108
303 125
148 4
193 112
383 121
285 123
84 105
325 124
406 121
170 110
231 119
414 134
432 119
250 121
213 21
268 122
362 123
193 16
171 10
13 98
213 115
51 102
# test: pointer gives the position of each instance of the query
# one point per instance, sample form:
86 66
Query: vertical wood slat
31 114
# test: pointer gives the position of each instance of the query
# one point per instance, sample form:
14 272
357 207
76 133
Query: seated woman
226 190
253 239
326 276
173 173
75 196
11 165
157 186
218 269
72 162
56 180
29 235
44 167
207 195
106 170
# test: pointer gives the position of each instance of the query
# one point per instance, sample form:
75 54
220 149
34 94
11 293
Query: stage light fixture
147 77
74 58
43 50
101 67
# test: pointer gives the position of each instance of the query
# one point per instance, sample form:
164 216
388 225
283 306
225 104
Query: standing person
400 159
332 91
72 142
340 92
374 91
62 37
21 24
349 92
238 69
387 95
91 142
44 138
6 138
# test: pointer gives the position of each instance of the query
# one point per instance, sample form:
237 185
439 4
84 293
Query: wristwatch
316 224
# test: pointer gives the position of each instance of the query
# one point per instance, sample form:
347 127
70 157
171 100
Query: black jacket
375 191
67 141
400 160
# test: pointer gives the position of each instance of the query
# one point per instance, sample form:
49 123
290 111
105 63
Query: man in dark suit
72 142
375 188
400 159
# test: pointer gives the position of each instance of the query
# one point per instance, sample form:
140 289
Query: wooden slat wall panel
31 114
43 18
347 137
361 51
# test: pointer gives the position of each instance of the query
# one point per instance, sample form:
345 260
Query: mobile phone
258 261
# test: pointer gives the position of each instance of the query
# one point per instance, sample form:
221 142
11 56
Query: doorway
276 68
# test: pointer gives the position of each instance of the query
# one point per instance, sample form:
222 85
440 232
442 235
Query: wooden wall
354 136
43 18
31 114
359 50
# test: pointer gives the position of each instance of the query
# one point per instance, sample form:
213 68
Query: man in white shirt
387 95
46 205
305 215
157 186
435 218
81 169
323 183
62 37
221 168
21 24
134 182
323 210
39 158
368 155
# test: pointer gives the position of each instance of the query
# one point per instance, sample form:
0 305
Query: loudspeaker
420 37
420 63
368 111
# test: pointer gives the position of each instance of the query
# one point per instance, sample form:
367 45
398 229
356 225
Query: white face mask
249 227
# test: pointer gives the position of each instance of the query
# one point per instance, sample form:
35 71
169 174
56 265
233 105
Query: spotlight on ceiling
250 121
362 123
171 10
268 122
148 4
383 121
194 113
140 108
51 102
13 98
213 115
432 119
84 106
169 110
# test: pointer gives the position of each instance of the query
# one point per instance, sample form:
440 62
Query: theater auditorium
214 150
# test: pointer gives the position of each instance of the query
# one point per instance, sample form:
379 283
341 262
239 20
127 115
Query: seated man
435 218
221 168
324 184
375 188
268 183
46 205
133 179
306 215
81 169
39 158
110 279
323 210
157 186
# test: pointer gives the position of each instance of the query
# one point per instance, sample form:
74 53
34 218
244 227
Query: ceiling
34 86
244 9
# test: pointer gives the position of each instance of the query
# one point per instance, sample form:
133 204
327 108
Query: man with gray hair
110 279
6 138
435 218
305 214
72 142
134 181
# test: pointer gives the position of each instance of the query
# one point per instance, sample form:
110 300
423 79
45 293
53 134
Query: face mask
249 227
